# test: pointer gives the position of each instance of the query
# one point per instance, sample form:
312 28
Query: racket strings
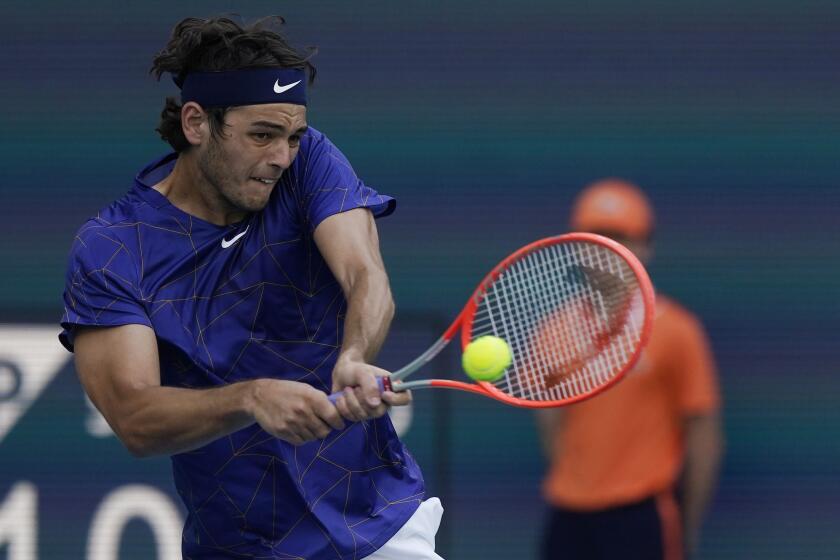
591 322
571 315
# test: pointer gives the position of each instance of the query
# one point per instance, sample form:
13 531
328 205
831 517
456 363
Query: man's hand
292 411
361 399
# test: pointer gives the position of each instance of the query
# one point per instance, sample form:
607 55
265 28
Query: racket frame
463 323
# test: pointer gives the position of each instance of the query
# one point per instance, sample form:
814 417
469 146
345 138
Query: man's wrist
349 356
250 396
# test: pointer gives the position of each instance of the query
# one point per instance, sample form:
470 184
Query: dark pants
633 532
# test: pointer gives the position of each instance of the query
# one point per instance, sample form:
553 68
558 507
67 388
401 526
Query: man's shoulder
312 138
139 204
676 316
112 229
317 149
319 164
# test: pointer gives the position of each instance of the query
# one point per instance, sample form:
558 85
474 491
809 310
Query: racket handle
383 382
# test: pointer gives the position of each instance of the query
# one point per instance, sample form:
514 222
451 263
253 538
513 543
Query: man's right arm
549 421
119 369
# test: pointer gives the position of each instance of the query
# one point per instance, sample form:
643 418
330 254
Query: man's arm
349 244
118 367
704 449
549 422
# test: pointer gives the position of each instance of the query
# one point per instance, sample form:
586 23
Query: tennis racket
576 311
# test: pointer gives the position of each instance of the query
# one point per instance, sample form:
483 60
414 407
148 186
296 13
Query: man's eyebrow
279 127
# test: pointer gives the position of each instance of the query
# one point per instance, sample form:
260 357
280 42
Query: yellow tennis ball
486 358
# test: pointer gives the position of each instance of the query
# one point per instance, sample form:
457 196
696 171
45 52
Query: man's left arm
349 243
699 397
703 452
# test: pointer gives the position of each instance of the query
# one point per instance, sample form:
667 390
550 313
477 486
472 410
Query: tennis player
615 460
215 305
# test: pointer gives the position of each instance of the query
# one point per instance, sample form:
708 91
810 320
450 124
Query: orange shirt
626 444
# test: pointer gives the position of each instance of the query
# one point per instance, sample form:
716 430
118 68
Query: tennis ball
486 358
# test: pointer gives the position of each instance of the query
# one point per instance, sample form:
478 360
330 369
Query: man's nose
281 155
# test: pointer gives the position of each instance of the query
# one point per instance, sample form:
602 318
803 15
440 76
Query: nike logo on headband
280 89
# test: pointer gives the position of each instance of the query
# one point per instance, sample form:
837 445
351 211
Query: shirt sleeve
101 285
698 391
328 185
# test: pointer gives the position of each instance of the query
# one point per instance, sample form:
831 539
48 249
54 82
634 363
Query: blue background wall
484 119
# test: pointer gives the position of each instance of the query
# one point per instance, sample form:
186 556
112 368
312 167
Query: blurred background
484 119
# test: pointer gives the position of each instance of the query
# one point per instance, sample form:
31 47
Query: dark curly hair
206 45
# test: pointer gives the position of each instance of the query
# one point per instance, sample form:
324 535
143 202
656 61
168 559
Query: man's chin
254 203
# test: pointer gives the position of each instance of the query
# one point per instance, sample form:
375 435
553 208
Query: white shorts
416 539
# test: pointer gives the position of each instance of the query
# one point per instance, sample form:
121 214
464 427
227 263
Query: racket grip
383 382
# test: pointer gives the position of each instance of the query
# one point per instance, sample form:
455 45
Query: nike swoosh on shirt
280 89
234 239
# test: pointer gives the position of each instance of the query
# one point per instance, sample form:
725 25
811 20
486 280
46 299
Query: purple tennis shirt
250 300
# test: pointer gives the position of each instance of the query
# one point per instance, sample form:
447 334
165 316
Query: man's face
258 143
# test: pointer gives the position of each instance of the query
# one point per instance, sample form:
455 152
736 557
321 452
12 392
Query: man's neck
187 189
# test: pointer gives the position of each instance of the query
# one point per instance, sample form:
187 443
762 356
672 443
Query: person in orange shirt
616 459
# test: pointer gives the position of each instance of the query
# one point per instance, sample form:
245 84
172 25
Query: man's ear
194 123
